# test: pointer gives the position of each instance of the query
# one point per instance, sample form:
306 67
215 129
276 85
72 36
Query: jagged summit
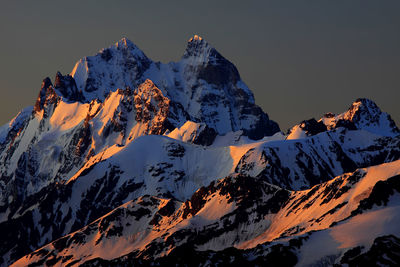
203 86
46 95
118 66
362 109
195 38
124 64
363 114
66 87
125 43
198 47
200 53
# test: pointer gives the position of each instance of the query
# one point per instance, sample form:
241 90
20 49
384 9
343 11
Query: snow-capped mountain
203 86
130 161
112 98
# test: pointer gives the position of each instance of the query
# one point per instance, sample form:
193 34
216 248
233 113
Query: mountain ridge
182 151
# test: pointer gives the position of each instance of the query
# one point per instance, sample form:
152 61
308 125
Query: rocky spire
67 88
46 95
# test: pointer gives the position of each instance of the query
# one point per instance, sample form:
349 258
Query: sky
301 59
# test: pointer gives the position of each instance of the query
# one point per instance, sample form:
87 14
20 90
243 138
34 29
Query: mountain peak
363 105
125 43
195 38
362 109
127 47
366 114
117 66
363 114
199 48
147 86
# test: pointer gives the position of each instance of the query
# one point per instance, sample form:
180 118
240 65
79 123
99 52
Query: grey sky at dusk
300 58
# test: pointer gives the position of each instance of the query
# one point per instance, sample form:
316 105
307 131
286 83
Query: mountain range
131 162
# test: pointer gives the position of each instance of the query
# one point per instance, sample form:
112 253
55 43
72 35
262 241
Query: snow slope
301 163
214 220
